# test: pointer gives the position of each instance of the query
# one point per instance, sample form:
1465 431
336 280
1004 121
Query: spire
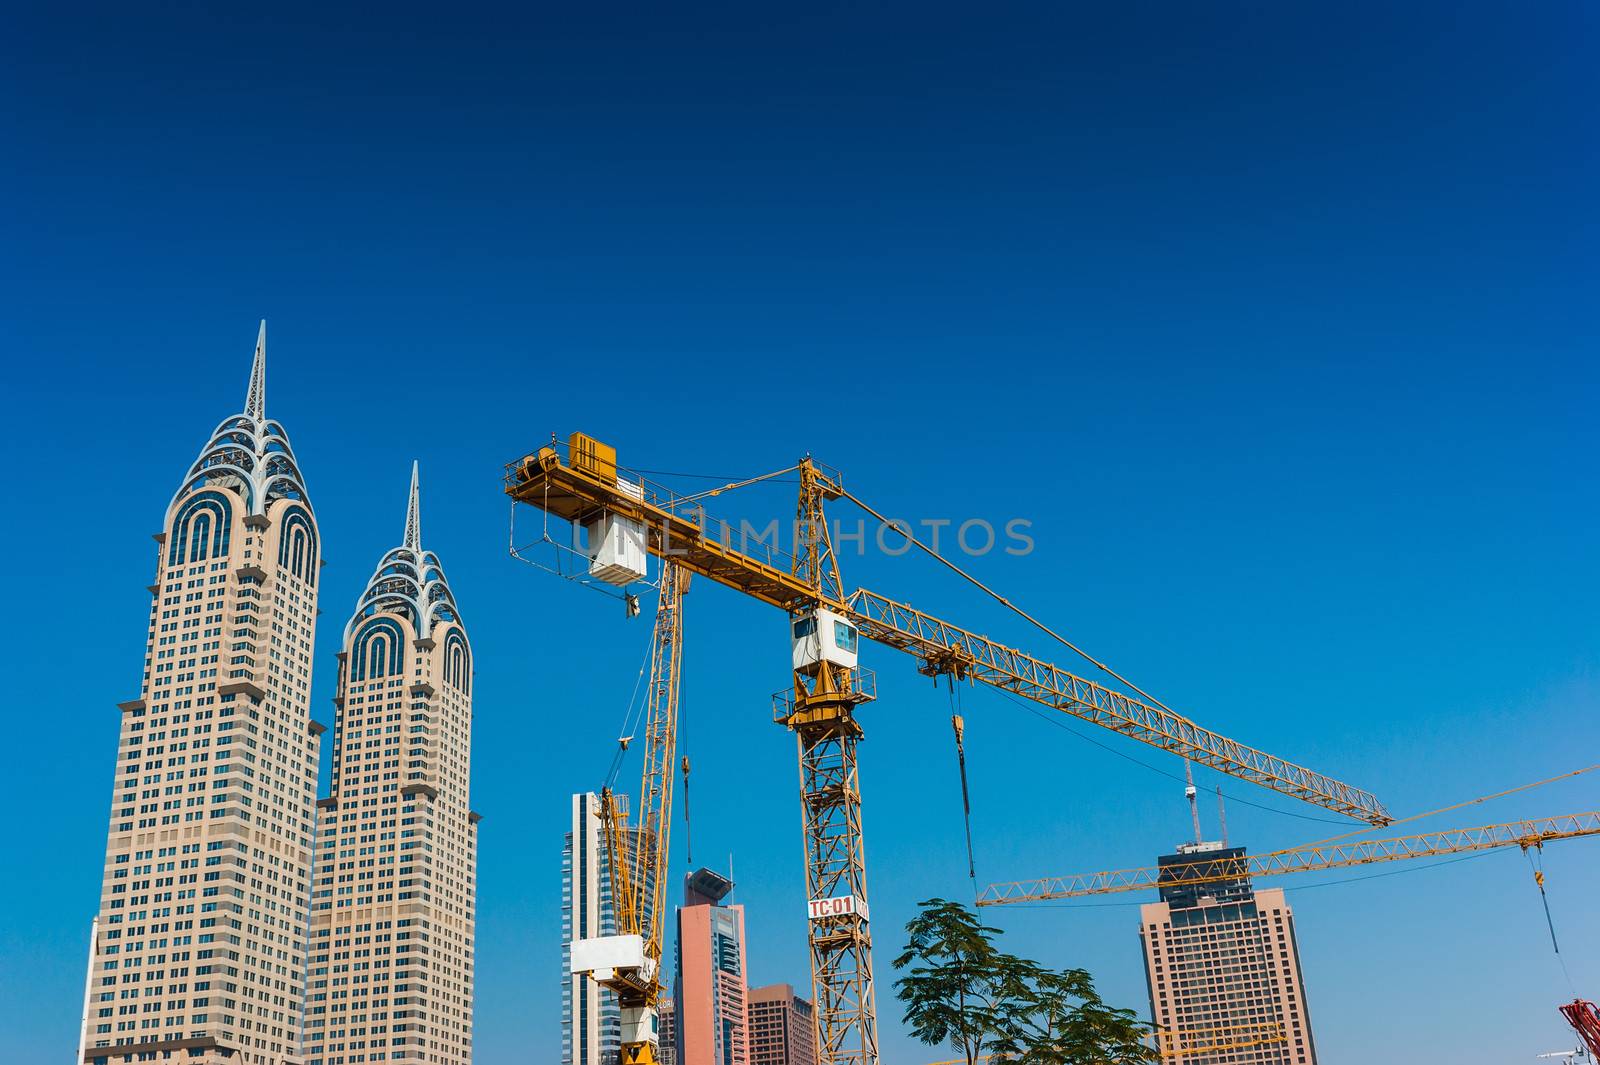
413 539
255 403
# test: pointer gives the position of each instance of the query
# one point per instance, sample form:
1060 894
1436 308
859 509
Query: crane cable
730 486
904 530
630 720
1537 865
959 725
688 827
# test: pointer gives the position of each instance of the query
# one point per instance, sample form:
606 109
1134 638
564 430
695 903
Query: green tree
1057 1018
960 989
952 979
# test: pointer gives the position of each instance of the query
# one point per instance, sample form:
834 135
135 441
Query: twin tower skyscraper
244 921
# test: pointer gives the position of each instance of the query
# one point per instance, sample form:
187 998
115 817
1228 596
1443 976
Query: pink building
710 1025
783 1030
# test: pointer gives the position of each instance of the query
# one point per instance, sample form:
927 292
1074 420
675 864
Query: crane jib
677 528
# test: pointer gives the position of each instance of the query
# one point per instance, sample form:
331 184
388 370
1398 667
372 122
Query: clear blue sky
1277 321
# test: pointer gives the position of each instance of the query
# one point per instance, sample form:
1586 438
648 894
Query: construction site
1220 958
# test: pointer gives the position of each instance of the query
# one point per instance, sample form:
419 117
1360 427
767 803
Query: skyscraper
201 952
783 1029
393 905
710 1022
1223 968
591 1030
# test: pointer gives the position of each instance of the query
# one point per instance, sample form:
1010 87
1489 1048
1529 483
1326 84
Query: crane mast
638 855
821 713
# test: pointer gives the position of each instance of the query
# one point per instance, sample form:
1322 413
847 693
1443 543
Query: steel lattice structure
1335 855
821 708
951 649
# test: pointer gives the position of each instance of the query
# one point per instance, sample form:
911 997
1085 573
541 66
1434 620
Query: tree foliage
960 989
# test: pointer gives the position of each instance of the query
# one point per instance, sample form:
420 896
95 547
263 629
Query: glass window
804 627
844 636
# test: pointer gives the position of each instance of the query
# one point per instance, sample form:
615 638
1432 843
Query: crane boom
676 527
1205 870
946 648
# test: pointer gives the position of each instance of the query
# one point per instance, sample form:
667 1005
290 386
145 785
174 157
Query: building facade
710 1009
667 1031
783 1028
201 948
591 1027
1224 969
393 905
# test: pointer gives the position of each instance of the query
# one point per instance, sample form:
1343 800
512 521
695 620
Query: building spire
255 402
413 539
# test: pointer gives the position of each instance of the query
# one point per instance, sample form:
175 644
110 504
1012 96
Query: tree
1058 1018
961 989
953 973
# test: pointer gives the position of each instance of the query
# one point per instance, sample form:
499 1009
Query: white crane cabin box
824 636
616 545
605 958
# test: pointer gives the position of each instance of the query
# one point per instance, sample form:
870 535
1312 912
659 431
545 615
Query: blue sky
1277 324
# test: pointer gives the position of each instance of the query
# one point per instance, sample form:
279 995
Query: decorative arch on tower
249 454
379 650
201 529
297 542
458 662
410 582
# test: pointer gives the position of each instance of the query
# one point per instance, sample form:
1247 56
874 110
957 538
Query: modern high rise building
711 1023
1224 969
783 1029
201 952
591 1026
393 904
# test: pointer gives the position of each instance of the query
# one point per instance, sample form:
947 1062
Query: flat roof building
1223 967
783 1027
711 1024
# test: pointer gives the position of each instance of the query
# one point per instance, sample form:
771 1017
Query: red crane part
1585 1020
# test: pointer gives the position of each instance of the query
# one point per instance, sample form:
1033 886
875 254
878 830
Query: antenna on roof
1222 815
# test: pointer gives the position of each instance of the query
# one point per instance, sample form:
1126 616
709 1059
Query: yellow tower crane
629 961
626 518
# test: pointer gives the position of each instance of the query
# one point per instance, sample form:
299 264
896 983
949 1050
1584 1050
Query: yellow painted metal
821 714
1180 1043
638 856
947 648
820 709
593 457
1206 870
677 527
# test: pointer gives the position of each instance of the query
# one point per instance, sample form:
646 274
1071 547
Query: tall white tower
201 952
395 894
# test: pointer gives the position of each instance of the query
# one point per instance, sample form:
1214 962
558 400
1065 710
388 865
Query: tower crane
629 961
625 518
